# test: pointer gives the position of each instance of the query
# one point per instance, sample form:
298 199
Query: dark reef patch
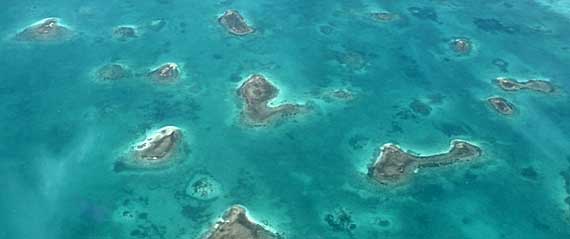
358 141
419 107
493 25
196 213
429 193
124 33
326 29
566 179
112 72
529 173
340 220
352 60
452 129
503 65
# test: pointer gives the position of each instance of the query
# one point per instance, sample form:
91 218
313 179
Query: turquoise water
63 131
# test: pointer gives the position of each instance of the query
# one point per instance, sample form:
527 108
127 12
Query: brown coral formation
508 84
501 105
394 165
168 72
256 92
235 224
47 30
234 23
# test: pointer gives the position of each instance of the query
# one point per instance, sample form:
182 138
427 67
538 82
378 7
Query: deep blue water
63 131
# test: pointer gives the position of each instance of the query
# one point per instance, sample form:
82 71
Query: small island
124 33
46 30
157 150
394 165
461 45
501 105
168 72
256 93
235 224
235 23
160 145
112 72
508 84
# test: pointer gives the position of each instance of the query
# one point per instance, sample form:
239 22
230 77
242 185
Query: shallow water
63 131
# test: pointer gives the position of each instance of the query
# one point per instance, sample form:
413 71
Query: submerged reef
461 45
46 30
385 16
394 165
203 187
340 220
257 92
157 150
424 13
421 108
352 60
156 25
566 177
508 84
112 72
529 173
235 224
124 33
493 25
235 23
503 65
502 105
168 72
335 95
